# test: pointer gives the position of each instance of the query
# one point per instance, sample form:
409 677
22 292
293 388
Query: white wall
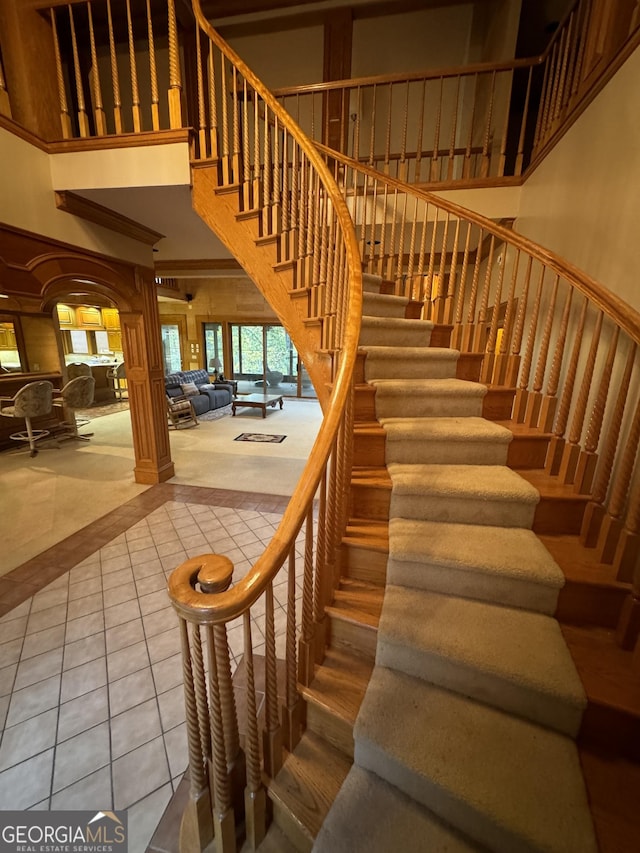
27 202
583 201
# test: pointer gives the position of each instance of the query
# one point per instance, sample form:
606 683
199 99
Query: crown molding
78 206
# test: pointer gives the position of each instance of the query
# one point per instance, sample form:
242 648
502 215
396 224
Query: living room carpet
260 437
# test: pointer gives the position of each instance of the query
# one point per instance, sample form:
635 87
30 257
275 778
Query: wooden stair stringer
219 210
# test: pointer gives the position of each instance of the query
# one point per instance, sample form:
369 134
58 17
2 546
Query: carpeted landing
464 740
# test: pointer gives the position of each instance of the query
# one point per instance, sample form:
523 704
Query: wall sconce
189 298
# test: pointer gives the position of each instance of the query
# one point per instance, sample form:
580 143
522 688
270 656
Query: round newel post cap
215 572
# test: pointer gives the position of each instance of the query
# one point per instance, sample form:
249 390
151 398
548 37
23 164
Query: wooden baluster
523 126
272 735
392 239
627 563
540 119
223 814
454 131
65 118
456 332
440 295
202 126
197 824
305 645
368 253
502 360
465 336
286 198
383 233
571 59
490 346
505 129
99 116
5 104
588 457
248 202
412 249
513 360
321 594
276 206
235 127
401 238
418 166
612 527
572 449
200 681
312 177
594 512
302 219
293 710
547 106
356 130
585 9
434 174
402 167
295 193
255 799
565 40
485 161
418 289
466 168
324 253
480 332
153 73
429 284
372 129
534 400
226 156
550 399
83 118
557 443
133 69
522 394
175 79
115 77
213 102
387 144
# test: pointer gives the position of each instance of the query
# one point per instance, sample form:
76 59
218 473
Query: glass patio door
265 359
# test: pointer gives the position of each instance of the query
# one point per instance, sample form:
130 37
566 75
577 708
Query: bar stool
77 394
32 401
78 368
118 375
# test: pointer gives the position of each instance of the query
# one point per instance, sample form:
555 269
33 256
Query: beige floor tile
83 713
80 756
134 727
83 651
83 679
126 634
34 700
28 738
140 772
86 793
132 690
127 660
27 783
38 668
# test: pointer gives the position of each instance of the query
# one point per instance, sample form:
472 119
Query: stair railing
557 342
237 738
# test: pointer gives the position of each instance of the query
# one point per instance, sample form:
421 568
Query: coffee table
256 401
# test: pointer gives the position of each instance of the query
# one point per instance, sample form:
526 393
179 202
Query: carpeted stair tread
385 305
384 362
470 494
371 283
472 441
509 658
394 331
507 783
508 565
424 398
371 816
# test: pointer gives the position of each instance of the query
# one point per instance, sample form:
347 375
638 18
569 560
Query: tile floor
91 697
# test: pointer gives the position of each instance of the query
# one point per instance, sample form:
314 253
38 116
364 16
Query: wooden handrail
205 609
621 312
427 74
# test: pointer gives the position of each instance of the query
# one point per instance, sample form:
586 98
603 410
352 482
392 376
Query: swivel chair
78 368
77 394
32 401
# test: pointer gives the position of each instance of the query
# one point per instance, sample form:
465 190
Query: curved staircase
464 739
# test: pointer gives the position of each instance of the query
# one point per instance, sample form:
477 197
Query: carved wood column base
628 628
196 827
320 639
547 413
513 370
626 560
591 524
149 476
306 654
569 463
293 722
255 816
585 471
608 539
532 413
486 375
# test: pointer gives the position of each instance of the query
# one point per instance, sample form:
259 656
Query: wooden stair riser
371 501
369 448
352 636
581 603
331 727
559 515
496 405
295 831
364 564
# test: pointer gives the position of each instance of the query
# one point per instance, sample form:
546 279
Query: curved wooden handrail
224 606
616 308
428 74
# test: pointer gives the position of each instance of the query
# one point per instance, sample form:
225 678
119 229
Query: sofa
208 396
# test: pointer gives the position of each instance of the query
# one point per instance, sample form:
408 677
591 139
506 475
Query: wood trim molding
198 264
125 140
93 212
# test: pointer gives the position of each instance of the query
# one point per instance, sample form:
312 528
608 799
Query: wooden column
145 383
30 68
338 35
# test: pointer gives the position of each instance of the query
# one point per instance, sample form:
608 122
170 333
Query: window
170 336
10 360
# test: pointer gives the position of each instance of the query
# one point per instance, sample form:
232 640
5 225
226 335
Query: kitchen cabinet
111 319
88 317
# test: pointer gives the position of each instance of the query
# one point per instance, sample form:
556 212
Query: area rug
260 436
99 409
